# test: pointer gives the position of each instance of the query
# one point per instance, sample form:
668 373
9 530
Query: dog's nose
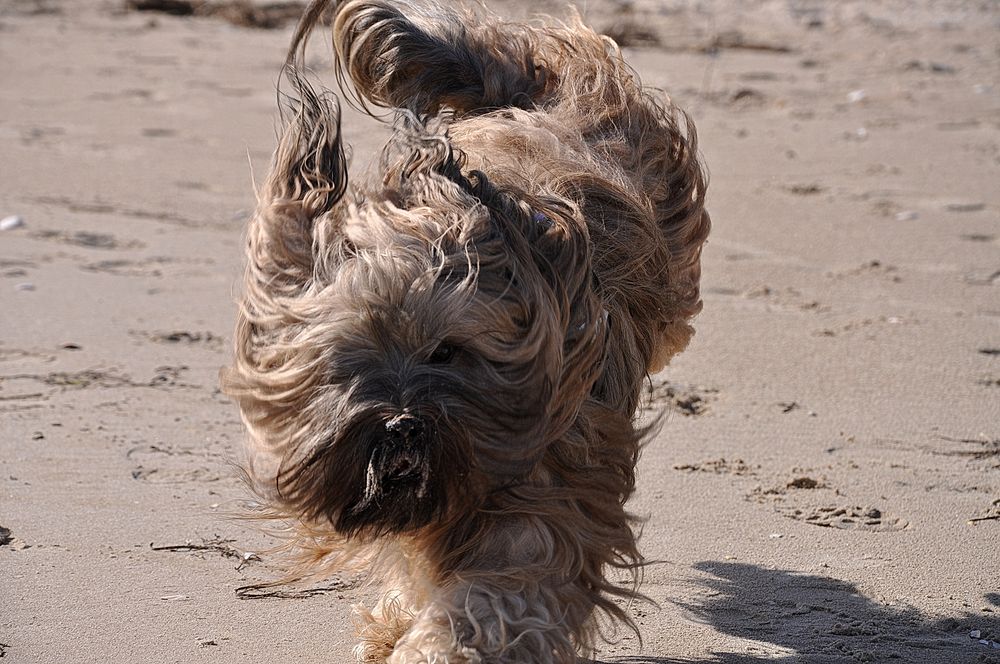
405 429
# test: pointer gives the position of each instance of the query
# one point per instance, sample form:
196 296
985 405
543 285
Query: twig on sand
16 397
264 590
990 517
218 545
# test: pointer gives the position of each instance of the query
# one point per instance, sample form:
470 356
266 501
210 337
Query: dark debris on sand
628 32
243 13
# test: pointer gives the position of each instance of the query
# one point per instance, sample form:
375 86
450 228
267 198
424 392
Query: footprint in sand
689 400
125 268
89 239
787 298
870 519
873 268
166 376
979 237
163 463
181 337
719 467
152 266
175 475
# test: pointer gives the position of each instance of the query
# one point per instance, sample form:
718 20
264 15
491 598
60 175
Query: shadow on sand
820 620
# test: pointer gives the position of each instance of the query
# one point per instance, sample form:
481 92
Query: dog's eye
442 354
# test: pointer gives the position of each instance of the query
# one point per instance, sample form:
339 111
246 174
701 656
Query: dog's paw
368 652
431 641
378 636
458 656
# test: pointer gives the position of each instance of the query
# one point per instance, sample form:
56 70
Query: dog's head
406 349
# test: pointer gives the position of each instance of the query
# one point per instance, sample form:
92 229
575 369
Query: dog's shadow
794 617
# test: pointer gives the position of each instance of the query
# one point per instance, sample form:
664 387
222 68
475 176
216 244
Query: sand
826 487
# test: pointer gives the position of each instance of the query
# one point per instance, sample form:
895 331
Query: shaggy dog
439 366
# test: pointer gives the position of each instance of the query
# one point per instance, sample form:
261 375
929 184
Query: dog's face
436 375
422 347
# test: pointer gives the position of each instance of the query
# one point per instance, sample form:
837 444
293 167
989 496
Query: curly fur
439 369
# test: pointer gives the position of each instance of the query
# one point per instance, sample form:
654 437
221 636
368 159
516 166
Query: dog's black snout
405 429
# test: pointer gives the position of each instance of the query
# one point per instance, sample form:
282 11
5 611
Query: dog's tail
423 57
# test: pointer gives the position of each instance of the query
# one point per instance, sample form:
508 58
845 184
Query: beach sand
825 487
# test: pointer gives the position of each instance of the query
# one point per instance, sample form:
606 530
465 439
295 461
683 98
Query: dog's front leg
510 601
490 621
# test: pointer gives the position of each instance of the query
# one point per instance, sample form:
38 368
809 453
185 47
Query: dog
439 364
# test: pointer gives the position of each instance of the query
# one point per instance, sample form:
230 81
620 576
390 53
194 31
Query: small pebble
906 215
26 286
11 222
859 134
975 634
854 96
776 535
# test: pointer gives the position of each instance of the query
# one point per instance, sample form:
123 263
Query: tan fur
439 368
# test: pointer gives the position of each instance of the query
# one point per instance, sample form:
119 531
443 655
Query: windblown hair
439 367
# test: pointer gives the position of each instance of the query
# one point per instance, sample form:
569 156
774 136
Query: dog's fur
439 367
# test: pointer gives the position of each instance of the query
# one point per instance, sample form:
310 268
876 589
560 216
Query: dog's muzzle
404 448
400 462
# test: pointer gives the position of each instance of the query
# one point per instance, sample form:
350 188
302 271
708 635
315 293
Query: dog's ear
307 181
298 215
423 59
